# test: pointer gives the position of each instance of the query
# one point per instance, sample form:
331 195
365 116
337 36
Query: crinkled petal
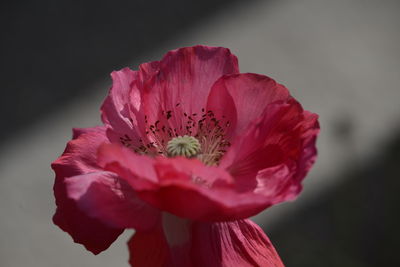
167 245
283 182
80 154
104 196
115 108
242 99
237 243
136 100
184 187
276 152
79 158
261 146
183 83
221 244
116 113
178 234
150 249
97 131
198 203
92 233
162 95
137 170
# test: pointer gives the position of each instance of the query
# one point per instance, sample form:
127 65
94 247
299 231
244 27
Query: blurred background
339 58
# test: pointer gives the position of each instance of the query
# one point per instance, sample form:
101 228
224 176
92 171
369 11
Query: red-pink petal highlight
106 197
224 244
79 158
238 243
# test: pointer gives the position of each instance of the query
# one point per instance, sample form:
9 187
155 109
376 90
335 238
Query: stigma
186 146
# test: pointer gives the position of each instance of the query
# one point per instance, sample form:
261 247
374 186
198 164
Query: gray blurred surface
51 51
339 58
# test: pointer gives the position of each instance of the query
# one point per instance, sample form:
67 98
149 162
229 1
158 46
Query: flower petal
222 244
80 154
167 244
104 196
184 187
116 110
260 146
183 83
242 98
76 132
276 152
79 158
283 182
236 243
91 233
137 170
115 105
177 233
149 249
160 93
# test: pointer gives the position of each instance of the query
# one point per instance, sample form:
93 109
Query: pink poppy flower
189 149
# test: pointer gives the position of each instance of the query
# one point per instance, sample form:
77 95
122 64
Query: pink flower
189 149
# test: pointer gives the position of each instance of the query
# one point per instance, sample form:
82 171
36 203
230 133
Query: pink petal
222 244
116 109
198 203
259 147
146 72
92 233
177 233
137 170
310 130
237 243
168 244
283 182
149 249
76 132
242 98
183 82
104 196
184 187
79 158
115 106
275 153
161 93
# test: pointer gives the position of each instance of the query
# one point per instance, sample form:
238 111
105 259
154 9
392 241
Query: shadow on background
355 224
53 50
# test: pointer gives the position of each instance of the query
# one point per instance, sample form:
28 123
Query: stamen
186 146
200 135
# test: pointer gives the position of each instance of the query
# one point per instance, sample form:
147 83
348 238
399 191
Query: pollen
177 132
186 146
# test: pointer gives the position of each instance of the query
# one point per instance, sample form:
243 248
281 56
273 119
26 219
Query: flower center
177 133
186 146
